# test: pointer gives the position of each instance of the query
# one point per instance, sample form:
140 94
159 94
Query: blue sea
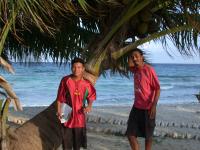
36 84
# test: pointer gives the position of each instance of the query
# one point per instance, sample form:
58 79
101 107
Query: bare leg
133 142
148 144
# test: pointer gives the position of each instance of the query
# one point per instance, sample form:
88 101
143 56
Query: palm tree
94 30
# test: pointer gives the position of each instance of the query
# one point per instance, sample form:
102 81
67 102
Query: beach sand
177 127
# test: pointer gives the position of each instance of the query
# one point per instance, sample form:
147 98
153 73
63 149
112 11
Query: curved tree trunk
42 132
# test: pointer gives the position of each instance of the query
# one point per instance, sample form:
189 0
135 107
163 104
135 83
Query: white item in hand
65 112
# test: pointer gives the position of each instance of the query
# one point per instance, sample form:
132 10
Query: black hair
141 53
77 60
137 50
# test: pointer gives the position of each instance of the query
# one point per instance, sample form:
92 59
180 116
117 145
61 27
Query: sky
157 54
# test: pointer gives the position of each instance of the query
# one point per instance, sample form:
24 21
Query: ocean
36 84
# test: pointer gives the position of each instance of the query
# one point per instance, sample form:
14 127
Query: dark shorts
139 124
74 138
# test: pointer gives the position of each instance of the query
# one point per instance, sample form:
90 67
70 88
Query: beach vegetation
101 32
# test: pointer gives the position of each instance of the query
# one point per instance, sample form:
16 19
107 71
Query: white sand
178 127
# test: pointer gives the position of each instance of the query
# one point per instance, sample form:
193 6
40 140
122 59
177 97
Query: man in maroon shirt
74 91
141 122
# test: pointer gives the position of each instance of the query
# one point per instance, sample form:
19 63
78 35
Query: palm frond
10 93
61 30
8 67
65 44
118 53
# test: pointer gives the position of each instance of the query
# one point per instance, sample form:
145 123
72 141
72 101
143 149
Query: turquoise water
37 84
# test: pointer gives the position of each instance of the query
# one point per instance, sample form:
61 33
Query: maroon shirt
72 93
145 85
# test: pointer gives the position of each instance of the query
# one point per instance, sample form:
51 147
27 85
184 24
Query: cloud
157 54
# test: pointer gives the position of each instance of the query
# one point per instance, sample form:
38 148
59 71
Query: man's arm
153 108
157 95
60 97
90 98
58 109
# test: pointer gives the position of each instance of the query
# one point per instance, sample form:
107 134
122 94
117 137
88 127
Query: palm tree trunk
42 132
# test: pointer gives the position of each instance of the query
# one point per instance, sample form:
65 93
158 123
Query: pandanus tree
101 32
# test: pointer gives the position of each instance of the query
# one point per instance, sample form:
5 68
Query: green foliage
60 30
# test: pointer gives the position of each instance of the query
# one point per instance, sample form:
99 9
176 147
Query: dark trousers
74 138
140 124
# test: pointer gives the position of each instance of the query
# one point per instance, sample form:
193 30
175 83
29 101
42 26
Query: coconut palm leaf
185 40
94 30
124 51
41 13
6 28
55 18
14 99
154 36
8 67
37 13
64 45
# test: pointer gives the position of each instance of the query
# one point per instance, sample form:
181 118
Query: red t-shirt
145 85
72 92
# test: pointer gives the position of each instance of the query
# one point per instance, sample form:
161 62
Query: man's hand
87 109
152 112
58 115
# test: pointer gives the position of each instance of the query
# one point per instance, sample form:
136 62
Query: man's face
137 58
78 69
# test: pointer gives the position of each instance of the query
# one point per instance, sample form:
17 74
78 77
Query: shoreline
177 125
196 102
177 113
125 105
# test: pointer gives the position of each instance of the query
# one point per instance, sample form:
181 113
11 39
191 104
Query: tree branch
117 54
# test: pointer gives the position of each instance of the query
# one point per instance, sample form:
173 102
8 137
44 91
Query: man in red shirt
74 91
141 122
